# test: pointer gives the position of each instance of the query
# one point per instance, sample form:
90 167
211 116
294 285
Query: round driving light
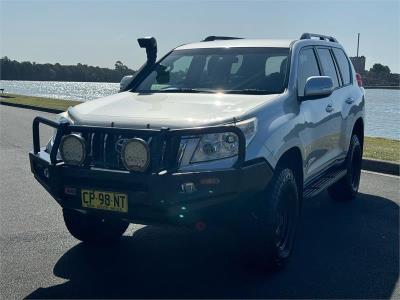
135 155
73 149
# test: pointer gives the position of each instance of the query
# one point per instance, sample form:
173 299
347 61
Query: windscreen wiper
184 90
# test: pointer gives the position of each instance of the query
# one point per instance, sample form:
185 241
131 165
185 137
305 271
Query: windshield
229 70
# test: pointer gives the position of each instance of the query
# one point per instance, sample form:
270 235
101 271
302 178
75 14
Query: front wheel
269 223
347 187
93 229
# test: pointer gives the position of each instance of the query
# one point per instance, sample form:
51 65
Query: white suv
223 131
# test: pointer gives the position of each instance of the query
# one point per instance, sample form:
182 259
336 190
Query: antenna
358 43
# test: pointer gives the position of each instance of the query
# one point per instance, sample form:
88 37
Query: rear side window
308 67
344 66
328 66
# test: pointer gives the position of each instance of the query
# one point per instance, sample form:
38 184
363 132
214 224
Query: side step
321 183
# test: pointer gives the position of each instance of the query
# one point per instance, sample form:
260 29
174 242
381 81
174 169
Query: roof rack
307 36
216 38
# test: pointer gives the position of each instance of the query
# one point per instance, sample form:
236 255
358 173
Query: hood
133 110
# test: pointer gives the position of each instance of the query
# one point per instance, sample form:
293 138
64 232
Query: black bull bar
159 137
219 193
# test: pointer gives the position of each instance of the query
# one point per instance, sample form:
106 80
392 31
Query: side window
344 66
273 64
179 68
308 67
172 74
328 66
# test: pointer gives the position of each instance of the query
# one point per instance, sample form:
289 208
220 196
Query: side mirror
125 81
318 86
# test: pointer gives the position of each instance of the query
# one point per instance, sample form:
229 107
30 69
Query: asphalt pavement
343 250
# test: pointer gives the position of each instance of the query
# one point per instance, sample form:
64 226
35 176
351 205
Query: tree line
380 75
15 70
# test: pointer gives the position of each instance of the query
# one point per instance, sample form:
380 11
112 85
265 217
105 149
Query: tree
379 68
14 70
120 67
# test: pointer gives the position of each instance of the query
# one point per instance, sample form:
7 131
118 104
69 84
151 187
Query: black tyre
269 224
93 229
346 188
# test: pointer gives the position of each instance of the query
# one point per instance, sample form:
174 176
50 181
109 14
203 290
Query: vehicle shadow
344 250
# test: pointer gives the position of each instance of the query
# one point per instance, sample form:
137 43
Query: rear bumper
157 198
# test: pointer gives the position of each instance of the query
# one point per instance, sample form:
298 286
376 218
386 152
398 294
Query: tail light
359 80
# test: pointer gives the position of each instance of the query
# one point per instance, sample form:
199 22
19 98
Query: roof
260 43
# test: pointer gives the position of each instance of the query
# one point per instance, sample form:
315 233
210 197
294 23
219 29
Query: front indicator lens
73 149
249 129
216 146
135 155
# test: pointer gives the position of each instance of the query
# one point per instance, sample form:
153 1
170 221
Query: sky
99 33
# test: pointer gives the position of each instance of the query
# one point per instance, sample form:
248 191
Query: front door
319 134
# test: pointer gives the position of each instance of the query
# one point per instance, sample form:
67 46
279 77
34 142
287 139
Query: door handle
350 100
329 108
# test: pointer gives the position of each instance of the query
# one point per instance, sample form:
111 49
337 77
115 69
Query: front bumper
156 196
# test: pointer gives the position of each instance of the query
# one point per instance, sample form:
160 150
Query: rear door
318 128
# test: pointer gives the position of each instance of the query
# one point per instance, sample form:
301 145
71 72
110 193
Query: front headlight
217 145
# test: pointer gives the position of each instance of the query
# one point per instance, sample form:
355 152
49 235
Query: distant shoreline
72 81
384 87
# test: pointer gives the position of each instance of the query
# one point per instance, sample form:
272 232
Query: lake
382 106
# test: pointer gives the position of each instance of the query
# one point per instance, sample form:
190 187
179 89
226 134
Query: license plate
105 200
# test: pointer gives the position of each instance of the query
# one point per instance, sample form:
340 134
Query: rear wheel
93 229
269 225
346 188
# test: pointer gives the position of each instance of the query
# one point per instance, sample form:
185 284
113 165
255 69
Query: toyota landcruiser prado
226 131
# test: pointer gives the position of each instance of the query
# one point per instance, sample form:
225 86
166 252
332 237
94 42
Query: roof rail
307 36
216 38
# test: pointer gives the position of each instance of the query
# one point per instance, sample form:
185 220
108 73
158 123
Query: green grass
375 148
38 101
380 148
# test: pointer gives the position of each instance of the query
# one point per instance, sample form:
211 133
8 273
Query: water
82 91
382 113
382 106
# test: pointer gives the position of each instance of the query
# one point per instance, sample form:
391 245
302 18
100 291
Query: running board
321 183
